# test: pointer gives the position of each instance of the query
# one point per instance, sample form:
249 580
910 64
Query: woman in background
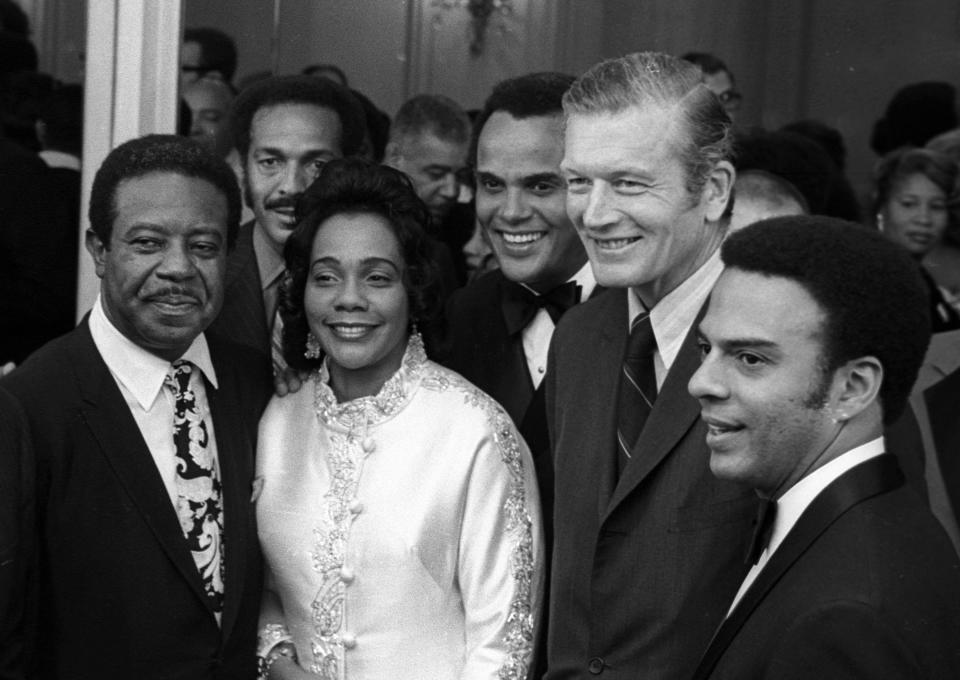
913 192
398 511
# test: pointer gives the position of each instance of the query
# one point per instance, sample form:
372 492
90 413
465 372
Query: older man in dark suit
143 435
803 363
648 545
285 129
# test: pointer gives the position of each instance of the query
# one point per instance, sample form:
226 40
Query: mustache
174 292
289 201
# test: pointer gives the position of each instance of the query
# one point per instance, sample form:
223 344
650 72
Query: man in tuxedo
285 129
143 435
803 364
648 544
500 325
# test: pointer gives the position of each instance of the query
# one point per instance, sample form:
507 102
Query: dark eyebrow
542 177
365 261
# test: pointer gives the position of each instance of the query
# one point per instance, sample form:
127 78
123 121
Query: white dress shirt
537 334
140 375
799 496
673 316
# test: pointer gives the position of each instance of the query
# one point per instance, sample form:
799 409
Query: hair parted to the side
278 90
431 113
898 165
160 153
356 186
527 96
869 289
653 79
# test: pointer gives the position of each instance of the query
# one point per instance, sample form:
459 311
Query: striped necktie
638 388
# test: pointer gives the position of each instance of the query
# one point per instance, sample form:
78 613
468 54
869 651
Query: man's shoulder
590 316
481 293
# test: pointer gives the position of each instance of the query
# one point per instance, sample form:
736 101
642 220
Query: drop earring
313 346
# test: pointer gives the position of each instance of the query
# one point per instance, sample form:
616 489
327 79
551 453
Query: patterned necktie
638 388
276 345
520 304
199 504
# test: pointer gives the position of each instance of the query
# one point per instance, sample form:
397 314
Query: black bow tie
520 304
762 529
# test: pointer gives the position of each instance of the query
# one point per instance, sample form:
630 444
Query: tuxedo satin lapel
236 497
106 414
674 413
868 479
513 386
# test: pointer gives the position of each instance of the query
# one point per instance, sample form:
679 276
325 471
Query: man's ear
857 386
717 190
98 251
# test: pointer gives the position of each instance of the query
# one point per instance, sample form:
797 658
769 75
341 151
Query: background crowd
505 430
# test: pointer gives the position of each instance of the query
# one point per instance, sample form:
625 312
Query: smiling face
761 386
162 274
433 165
915 216
627 197
356 301
521 200
289 144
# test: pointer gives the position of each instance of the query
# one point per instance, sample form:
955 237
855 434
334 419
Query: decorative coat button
356 506
596 665
347 575
349 640
368 445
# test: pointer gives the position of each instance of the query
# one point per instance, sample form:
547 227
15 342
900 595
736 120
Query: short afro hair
165 154
357 186
278 90
527 96
869 289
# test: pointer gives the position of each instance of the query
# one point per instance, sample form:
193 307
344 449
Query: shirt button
347 575
596 665
541 370
349 640
368 445
356 506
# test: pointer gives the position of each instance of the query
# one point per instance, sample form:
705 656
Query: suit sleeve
842 641
501 559
16 535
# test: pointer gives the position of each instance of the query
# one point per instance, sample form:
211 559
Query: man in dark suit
648 544
285 129
143 435
500 326
803 364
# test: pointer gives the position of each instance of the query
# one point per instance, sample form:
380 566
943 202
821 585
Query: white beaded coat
401 532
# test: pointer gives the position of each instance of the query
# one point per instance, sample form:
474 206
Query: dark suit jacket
119 594
643 569
243 319
865 585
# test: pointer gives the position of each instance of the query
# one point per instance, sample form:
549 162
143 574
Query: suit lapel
875 476
602 420
243 309
236 493
674 413
107 415
513 387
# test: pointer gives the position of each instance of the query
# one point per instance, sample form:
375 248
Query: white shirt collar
798 497
583 278
139 371
672 317
59 159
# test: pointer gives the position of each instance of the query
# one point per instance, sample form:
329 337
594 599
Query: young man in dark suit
285 129
648 544
500 325
143 436
812 340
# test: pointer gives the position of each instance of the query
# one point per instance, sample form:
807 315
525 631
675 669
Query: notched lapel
106 414
673 414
